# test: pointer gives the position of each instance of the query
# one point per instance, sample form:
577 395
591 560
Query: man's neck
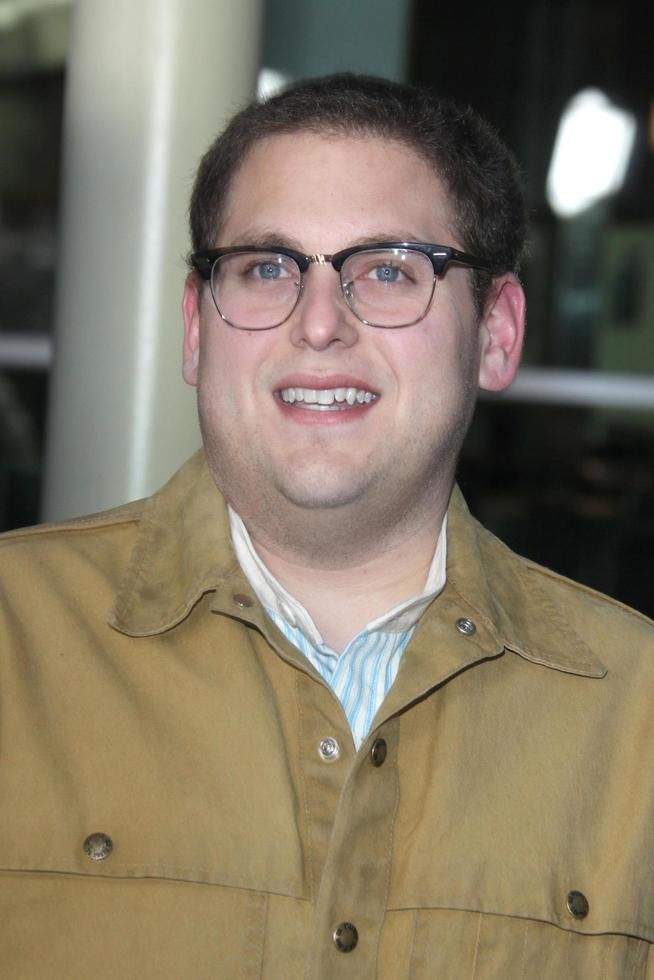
342 599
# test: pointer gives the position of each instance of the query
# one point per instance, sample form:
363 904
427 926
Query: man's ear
502 332
191 313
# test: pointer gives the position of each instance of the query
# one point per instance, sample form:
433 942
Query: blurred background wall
104 110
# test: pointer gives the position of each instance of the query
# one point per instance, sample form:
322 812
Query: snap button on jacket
165 813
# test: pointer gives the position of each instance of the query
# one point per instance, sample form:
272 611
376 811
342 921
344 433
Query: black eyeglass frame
440 256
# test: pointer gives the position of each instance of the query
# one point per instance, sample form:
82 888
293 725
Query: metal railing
27 352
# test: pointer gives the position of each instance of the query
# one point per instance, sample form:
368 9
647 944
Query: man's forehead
369 166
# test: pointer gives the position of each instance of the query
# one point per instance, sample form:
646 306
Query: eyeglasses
386 284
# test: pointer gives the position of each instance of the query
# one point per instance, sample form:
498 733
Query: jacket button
466 627
345 937
242 601
98 846
378 752
577 905
328 749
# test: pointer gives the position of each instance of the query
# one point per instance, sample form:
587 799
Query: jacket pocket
75 926
450 944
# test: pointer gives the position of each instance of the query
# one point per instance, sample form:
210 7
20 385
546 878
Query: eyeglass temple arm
202 264
454 255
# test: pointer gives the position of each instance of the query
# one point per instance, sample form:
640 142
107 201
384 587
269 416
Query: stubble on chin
347 511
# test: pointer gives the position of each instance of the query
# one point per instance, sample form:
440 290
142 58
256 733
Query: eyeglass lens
389 287
255 290
385 288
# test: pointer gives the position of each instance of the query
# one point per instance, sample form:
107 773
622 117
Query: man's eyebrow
387 236
269 238
264 240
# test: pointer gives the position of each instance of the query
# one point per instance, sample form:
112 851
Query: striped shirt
364 672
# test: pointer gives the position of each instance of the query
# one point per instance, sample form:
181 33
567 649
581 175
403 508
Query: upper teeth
326 396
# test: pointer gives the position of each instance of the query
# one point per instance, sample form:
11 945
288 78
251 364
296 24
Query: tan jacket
519 768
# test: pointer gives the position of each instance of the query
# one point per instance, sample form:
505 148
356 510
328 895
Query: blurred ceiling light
591 153
270 82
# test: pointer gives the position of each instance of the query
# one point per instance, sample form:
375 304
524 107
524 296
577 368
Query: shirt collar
272 594
183 551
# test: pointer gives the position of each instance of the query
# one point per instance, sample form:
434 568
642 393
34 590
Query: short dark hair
477 170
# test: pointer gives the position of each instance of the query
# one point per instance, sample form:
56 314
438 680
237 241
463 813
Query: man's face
394 451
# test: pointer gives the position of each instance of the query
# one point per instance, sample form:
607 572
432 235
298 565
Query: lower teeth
320 408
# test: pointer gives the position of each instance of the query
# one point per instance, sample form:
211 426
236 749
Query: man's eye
267 270
386 273
264 269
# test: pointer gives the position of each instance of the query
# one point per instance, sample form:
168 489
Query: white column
149 84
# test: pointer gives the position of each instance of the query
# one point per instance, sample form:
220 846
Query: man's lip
324 382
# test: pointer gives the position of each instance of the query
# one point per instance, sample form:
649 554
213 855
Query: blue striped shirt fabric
362 675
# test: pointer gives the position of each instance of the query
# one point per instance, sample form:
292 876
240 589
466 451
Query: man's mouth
326 399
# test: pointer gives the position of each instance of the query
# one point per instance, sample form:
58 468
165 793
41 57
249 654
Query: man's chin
322 497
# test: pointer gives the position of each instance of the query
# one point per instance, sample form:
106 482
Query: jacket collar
513 598
183 551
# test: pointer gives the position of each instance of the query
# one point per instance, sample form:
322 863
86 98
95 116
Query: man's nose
322 317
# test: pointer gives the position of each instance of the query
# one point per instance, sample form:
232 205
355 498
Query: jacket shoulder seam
548 573
92 522
588 591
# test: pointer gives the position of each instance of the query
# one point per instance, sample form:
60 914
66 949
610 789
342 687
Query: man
331 727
